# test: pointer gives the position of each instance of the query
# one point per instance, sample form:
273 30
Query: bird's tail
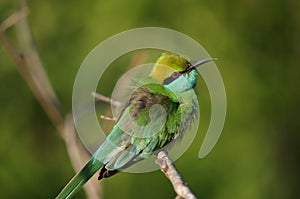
77 182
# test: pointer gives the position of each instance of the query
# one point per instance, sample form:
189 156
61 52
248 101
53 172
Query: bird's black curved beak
200 62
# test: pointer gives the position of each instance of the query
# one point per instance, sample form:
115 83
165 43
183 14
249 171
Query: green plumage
80 179
158 113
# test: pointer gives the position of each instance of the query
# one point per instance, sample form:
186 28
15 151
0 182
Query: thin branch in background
37 74
167 167
32 70
107 118
105 99
14 18
37 81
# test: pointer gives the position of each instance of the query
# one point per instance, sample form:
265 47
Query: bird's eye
175 75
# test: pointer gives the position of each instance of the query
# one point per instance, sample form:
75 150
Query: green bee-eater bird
141 130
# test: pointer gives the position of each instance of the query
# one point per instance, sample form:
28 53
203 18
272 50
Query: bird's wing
143 127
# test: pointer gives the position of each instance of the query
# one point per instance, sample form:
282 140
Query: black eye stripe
168 80
172 77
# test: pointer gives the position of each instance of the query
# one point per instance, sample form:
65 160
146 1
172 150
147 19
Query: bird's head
168 63
175 71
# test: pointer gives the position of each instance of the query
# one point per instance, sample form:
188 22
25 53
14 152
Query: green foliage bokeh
257 44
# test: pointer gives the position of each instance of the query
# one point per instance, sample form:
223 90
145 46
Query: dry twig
32 70
168 168
14 18
105 99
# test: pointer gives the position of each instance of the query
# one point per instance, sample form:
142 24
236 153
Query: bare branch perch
168 168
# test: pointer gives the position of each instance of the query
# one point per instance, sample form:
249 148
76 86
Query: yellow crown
166 64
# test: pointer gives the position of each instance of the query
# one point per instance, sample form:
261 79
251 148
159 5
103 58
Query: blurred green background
257 43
